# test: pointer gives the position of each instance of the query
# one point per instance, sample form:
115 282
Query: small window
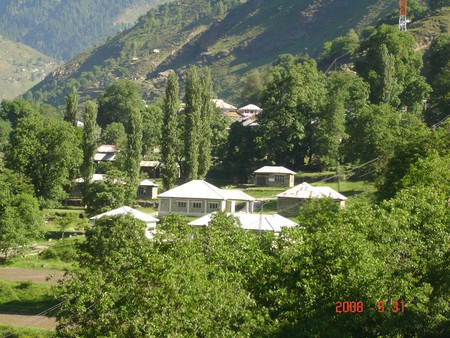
279 178
196 205
182 204
213 206
141 191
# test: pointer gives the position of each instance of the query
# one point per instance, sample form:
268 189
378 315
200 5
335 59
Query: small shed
253 222
150 221
288 202
147 190
273 176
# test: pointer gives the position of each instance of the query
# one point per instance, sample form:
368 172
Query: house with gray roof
274 176
198 198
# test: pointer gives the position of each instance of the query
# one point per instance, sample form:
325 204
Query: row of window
197 205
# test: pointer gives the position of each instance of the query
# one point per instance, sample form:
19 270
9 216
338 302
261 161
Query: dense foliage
65 28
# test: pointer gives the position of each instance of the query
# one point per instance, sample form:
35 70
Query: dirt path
28 321
36 276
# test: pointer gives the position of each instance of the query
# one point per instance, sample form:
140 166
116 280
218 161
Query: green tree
294 98
114 133
170 135
252 88
89 144
16 109
5 130
46 150
133 153
21 221
117 100
206 119
193 123
71 106
152 118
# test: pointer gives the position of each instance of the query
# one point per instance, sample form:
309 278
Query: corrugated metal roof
254 222
250 107
107 148
148 183
305 190
151 164
104 157
125 210
274 170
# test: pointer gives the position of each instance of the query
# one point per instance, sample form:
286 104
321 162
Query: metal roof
125 210
274 170
305 190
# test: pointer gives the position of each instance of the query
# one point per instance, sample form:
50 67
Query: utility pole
403 8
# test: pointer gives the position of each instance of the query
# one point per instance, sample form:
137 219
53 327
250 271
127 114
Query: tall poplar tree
91 133
133 152
71 106
169 132
193 123
207 109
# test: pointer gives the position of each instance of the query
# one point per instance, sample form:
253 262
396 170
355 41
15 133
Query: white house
147 190
252 222
198 198
150 221
274 176
289 201
249 109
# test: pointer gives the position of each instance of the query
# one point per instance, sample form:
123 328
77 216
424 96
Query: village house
249 109
273 176
147 190
289 202
151 168
223 106
198 198
106 153
252 222
150 221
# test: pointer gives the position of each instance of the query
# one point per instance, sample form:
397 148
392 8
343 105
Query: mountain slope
63 28
21 67
250 34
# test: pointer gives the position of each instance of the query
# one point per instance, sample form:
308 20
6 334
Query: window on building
141 191
196 205
279 178
182 205
214 206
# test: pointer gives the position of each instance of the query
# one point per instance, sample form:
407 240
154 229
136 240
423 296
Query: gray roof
305 190
274 170
198 189
125 210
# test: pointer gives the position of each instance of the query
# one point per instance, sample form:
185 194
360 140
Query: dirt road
36 276
28 321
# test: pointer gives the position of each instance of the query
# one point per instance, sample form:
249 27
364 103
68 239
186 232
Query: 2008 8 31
354 307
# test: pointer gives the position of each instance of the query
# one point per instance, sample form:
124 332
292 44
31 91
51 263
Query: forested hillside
64 28
21 67
233 37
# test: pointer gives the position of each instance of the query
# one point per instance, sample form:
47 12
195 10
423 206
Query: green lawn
24 332
25 297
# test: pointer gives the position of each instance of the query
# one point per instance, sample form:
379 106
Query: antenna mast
403 8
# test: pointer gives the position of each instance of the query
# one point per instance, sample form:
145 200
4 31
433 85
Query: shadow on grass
29 307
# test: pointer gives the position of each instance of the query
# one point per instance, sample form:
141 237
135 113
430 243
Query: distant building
151 168
273 176
289 202
249 109
106 153
147 190
198 198
223 106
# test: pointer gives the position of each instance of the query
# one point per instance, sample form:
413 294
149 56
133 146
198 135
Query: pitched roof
203 190
274 170
107 148
250 107
104 157
221 104
253 222
148 183
305 190
125 210
151 164
95 178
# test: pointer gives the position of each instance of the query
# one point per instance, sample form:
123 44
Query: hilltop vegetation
64 28
232 37
21 67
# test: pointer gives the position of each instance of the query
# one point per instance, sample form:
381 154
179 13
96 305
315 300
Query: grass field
12 331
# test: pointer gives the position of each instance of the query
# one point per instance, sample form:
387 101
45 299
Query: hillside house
252 222
249 109
106 153
198 198
289 202
147 190
274 176
223 106
151 168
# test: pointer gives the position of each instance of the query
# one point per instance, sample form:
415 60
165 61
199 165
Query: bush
49 253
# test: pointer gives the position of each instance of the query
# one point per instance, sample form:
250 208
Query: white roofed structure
197 198
150 221
290 200
223 106
253 222
249 109
274 176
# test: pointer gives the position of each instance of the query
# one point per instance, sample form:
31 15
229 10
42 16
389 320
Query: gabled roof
250 107
95 178
254 222
107 148
305 190
150 164
203 190
221 104
274 170
104 157
148 183
125 210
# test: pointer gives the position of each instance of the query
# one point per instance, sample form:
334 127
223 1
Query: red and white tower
403 8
